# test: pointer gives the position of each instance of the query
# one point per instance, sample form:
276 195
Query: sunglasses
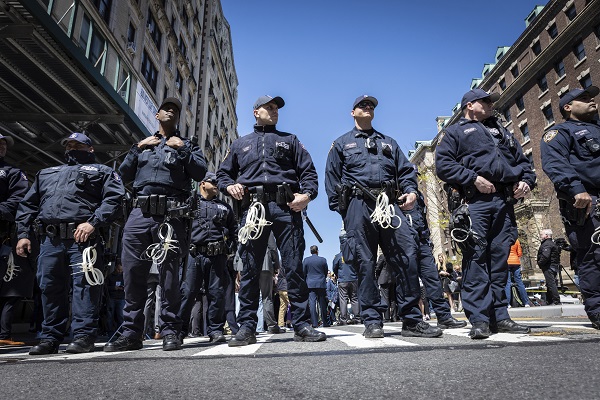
365 104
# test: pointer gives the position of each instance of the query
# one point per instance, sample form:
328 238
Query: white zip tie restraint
157 252
467 232
384 212
12 269
255 221
596 236
93 276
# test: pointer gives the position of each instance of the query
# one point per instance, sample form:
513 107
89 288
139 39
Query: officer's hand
484 186
236 191
83 232
23 247
520 190
583 200
407 201
150 141
174 142
300 202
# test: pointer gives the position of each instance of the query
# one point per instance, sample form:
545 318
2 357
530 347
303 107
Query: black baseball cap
210 177
262 100
78 137
365 97
478 94
172 100
575 93
9 140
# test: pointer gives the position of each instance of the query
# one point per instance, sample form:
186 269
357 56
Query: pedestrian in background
514 275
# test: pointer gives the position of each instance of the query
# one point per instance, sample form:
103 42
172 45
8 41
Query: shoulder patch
23 176
332 144
548 136
2 173
116 177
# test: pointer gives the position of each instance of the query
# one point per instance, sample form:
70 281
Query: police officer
570 158
69 203
548 259
347 281
161 167
363 164
254 171
479 157
213 235
16 275
428 273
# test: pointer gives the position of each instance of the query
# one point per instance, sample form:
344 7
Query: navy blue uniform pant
59 271
588 260
400 251
230 302
139 233
317 296
485 261
210 272
289 235
431 281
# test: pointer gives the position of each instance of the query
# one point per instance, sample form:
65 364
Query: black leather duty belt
157 204
210 249
62 230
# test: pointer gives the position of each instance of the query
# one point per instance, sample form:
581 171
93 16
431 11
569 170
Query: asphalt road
558 360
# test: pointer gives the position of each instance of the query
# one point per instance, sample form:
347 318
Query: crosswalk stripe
506 337
357 340
225 350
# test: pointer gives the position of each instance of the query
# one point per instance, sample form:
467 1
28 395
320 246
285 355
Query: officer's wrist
94 221
309 194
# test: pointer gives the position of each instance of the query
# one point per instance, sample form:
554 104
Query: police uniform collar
359 133
264 128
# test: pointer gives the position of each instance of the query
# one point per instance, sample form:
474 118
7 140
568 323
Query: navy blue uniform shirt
571 157
72 193
162 169
350 161
13 186
269 158
214 222
467 149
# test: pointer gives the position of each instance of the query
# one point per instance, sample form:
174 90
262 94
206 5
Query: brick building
558 51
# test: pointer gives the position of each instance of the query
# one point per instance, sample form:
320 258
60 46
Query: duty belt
359 193
210 249
157 205
62 230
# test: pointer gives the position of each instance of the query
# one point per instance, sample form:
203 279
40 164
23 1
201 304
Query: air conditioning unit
131 47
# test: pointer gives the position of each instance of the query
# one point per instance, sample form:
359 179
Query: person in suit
315 270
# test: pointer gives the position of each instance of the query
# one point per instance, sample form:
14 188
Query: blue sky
416 58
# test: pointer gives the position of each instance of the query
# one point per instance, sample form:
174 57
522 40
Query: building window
525 132
515 70
92 42
537 48
179 81
586 81
155 33
571 12
520 103
103 7
559 67
149 71
182 46
529 156
131 33
506 113
548 114
542 84
579 51
503 84
553 31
